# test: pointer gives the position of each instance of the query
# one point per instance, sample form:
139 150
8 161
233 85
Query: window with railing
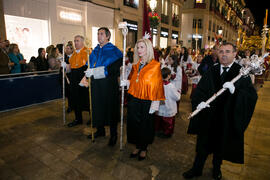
194 23
200 4
164 12
198 23
175 15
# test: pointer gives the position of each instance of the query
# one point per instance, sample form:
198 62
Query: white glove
125 82
154 107
63 64
89 72
81 84
230 86
202 105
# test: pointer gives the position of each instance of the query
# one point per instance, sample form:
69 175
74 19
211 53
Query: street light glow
153 4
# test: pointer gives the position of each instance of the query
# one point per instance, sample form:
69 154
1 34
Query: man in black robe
79 95
220 127
105 62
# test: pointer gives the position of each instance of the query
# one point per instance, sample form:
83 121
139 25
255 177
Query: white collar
77 51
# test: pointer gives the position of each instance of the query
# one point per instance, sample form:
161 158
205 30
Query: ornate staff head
123 26
254 66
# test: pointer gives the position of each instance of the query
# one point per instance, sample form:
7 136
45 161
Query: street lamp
219 37
153 4
220 31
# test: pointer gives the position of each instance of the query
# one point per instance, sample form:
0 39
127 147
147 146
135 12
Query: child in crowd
165 117
195 78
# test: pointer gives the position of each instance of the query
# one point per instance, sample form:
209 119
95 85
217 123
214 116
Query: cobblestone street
34 144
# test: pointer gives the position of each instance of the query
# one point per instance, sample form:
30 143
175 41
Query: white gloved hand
63 64
125 82
81 84
230 86
154 107
89 72
202 105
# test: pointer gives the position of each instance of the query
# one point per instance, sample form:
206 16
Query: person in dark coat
41 61
220 127
5 63
208 61
68 53
105 63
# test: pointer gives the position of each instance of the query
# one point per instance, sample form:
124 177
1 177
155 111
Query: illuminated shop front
164 34
132 32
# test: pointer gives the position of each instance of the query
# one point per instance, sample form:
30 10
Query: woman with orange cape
145 92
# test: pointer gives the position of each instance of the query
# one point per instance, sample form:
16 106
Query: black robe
221 127
105 97
79 95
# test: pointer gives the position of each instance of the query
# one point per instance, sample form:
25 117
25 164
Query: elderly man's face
78 43
226 55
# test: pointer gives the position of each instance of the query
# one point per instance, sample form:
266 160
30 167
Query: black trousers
78 114
113 129
206 146
200 159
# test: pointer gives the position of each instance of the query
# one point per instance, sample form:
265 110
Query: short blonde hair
149 50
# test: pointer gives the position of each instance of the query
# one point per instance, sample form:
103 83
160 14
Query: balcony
175 20
164 19
200 5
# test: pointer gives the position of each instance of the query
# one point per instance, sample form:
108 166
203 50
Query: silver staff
123 27
63 81
255 66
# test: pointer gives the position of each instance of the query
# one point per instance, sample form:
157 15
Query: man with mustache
221 125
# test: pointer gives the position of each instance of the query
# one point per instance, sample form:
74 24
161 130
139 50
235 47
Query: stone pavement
34 144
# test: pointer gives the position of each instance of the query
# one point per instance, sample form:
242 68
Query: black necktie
224 73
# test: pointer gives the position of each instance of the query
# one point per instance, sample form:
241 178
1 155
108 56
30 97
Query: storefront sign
174 35
196 36
164 32
69 15
132 25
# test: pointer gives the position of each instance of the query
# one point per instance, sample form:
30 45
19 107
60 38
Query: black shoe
74 123
134 155
140 158
96 135
191 174
217 175
112 141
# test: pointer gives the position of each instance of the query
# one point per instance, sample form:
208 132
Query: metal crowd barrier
25 89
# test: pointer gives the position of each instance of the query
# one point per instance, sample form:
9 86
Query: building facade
205 20
38 23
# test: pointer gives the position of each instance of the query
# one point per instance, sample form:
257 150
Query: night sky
258 7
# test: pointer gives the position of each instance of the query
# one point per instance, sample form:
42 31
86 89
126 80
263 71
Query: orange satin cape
149 84
77 60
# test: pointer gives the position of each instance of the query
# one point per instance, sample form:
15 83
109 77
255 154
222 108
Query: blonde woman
145 92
